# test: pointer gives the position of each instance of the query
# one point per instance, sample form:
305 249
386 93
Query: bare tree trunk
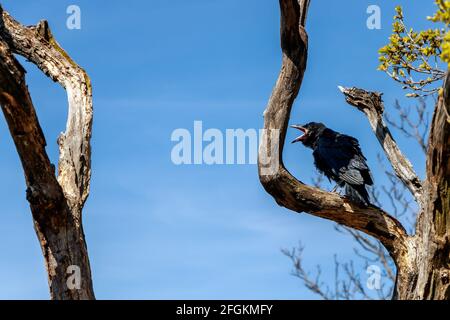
56 201
423 259
432 263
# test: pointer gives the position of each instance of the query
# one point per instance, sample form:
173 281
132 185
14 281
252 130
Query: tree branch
37 44
416 130
26 131
277 181
313 284
371 104
56 203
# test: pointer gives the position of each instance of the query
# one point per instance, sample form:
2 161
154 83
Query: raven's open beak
302 129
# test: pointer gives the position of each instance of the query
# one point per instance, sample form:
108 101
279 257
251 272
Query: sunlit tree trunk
431 266
56 200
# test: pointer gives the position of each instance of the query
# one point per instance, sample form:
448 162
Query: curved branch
277 181
37 44
56 204
371 104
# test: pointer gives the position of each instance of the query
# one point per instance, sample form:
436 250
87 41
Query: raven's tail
357 194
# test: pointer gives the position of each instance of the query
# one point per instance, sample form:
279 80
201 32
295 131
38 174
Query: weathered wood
371 104
56 202
38 45
433 226
288 191
423 259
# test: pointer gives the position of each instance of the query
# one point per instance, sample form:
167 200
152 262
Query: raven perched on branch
339 157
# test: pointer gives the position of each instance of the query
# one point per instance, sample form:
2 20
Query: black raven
339 157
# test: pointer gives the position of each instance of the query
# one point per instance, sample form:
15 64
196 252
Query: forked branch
277 181
56 201
37 44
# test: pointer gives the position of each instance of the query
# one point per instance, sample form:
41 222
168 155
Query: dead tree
56 200
349 283
422 259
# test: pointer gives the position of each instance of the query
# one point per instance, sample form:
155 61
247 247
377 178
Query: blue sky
159 231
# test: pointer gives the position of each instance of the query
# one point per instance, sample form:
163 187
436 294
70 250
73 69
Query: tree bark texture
56 200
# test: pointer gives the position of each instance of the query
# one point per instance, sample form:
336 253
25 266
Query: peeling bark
433 227
56 201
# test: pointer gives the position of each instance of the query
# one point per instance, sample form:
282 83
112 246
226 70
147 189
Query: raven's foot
356 201
335 190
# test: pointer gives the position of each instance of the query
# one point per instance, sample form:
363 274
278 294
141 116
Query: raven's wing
340 158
